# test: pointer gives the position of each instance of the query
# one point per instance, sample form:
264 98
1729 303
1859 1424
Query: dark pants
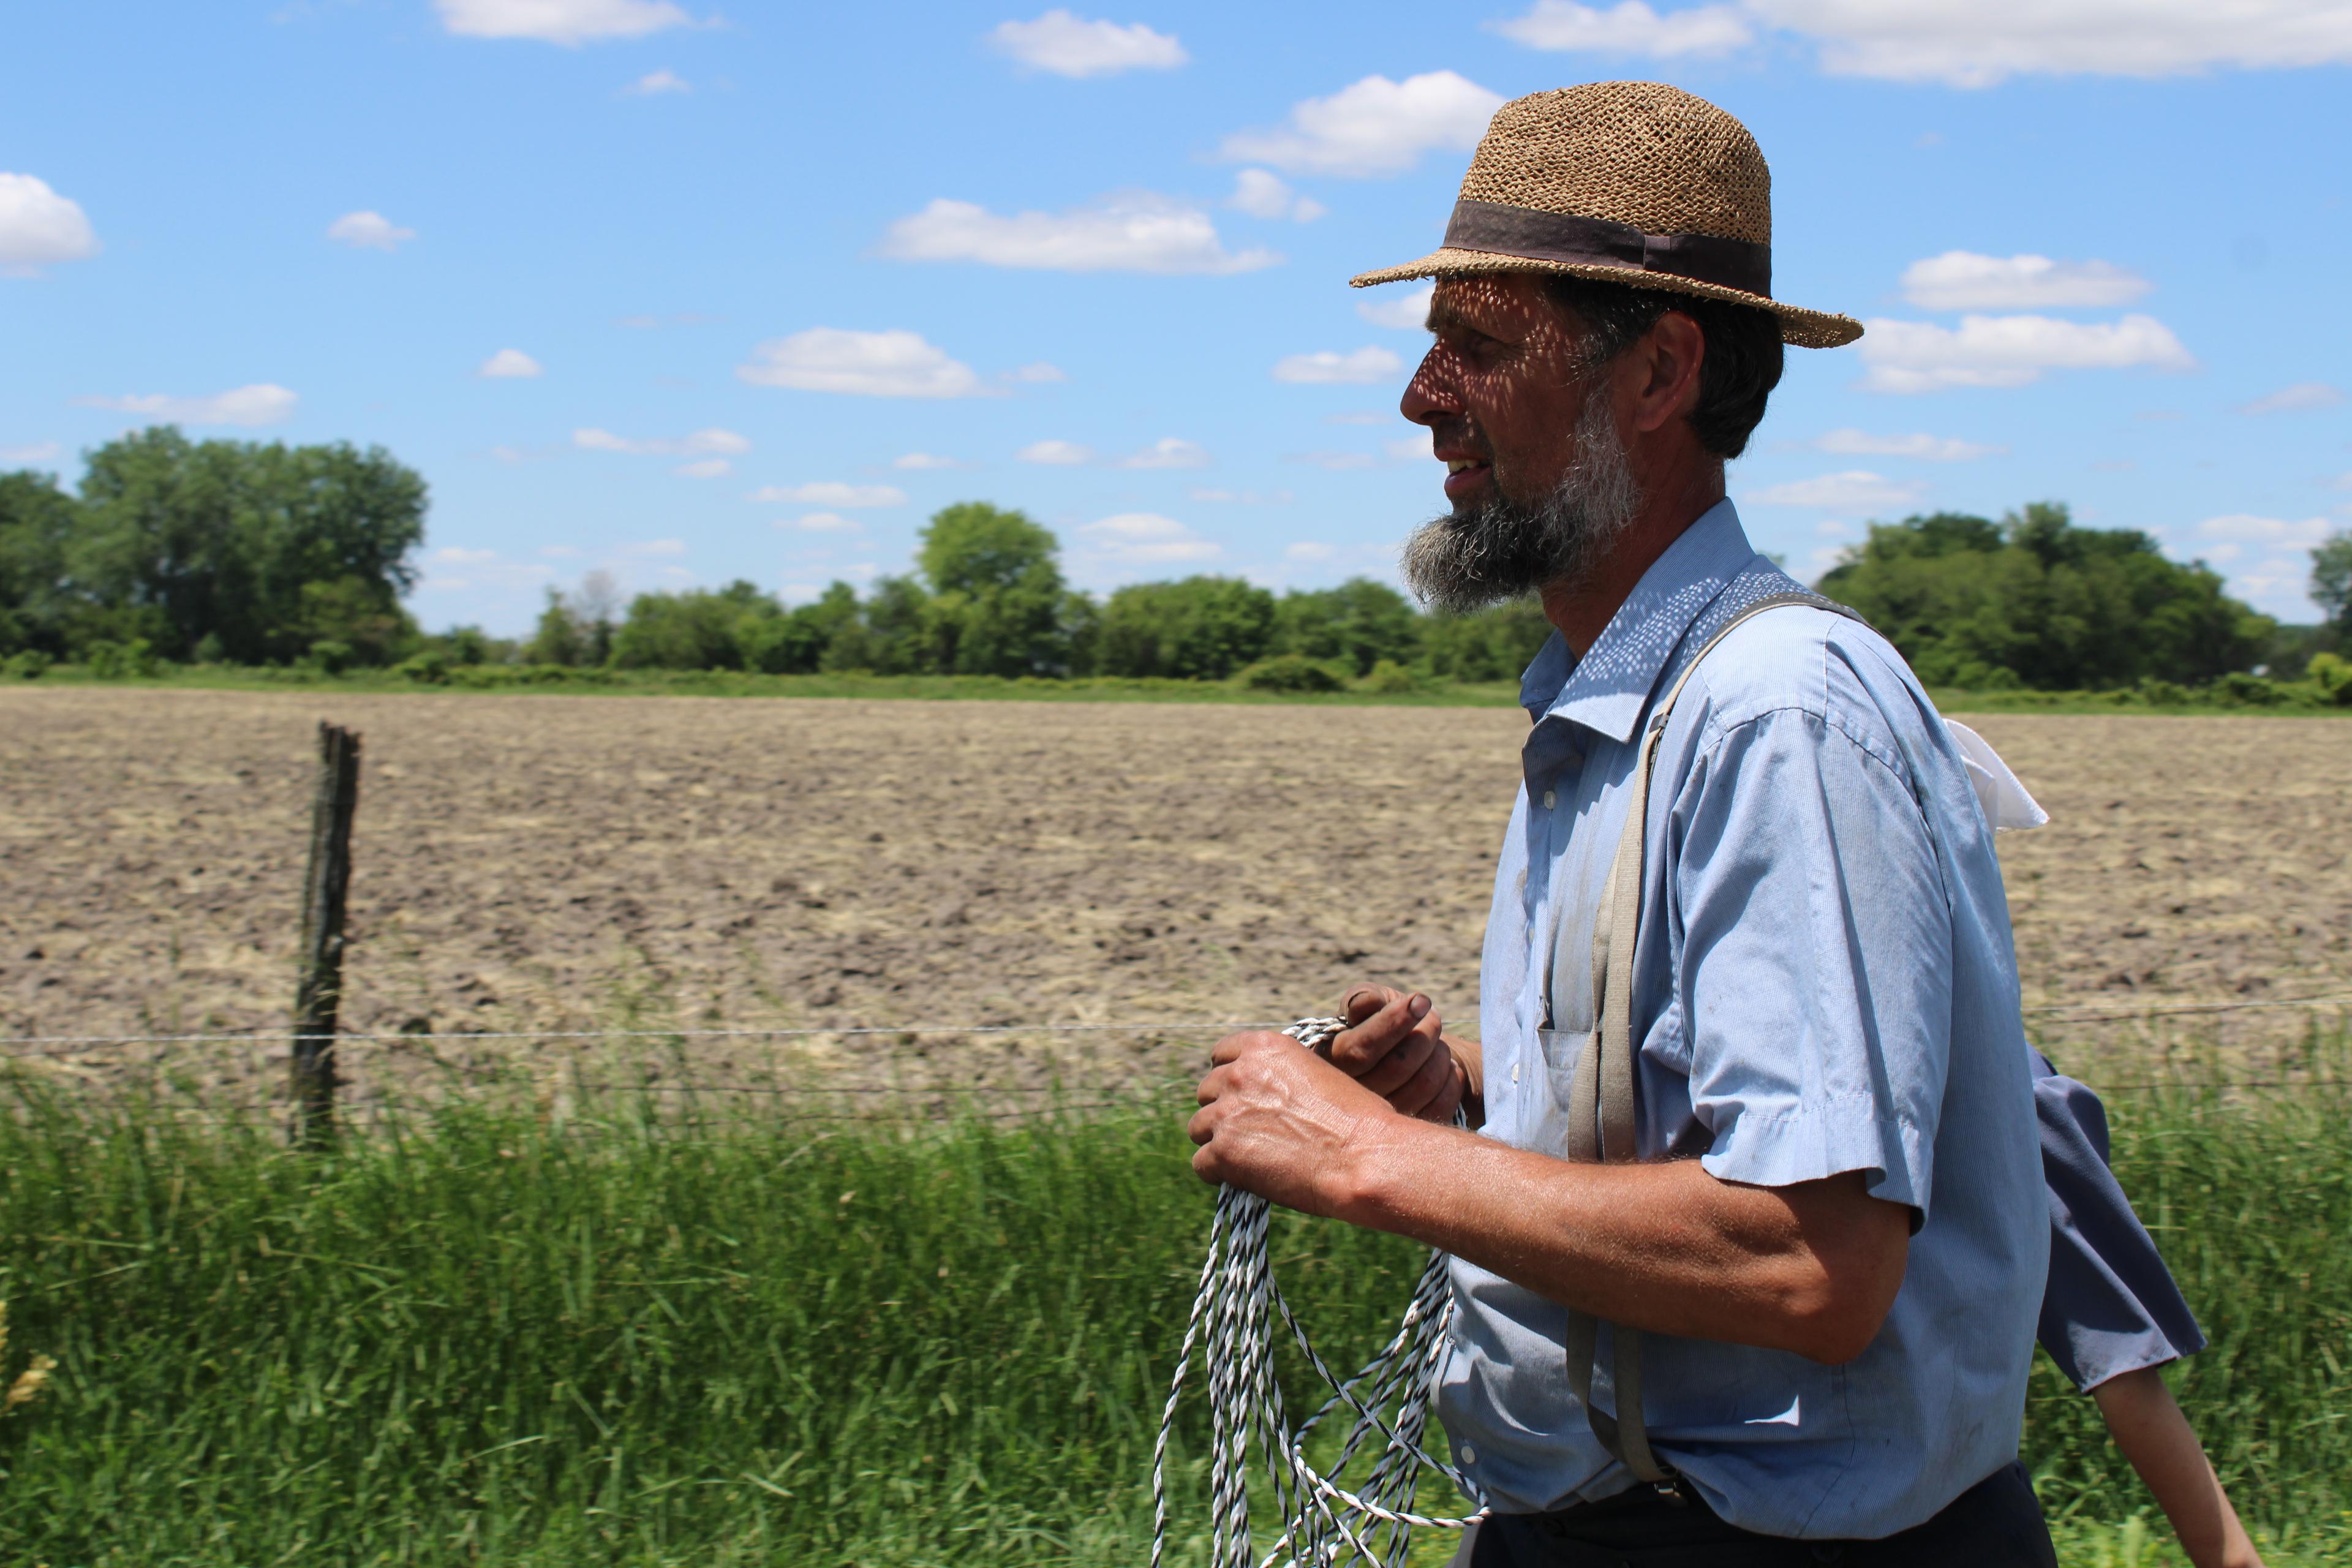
1997 1523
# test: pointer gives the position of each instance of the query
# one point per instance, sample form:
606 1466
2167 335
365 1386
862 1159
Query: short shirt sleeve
2111 1306
1814 979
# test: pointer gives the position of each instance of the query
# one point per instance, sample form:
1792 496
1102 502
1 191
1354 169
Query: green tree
2053 605
1496 644
264 547
996 593
1359 623
1196 628
559 638
893 633
698 629
37 525
2331 582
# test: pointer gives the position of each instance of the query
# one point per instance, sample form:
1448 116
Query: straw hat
1622 182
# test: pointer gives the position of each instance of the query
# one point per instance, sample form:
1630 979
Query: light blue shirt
1824 982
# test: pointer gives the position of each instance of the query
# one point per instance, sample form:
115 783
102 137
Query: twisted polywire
1231 1327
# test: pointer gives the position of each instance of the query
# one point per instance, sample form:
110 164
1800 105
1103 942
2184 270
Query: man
1792 1321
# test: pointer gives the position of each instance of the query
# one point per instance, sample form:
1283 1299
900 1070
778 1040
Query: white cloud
705 469
2009 351
861 364
1036 373
1629 29
1055 454
1131 231
1976 43
1147 539
2273 531
1336 462
1406 310
1850 442
261 404
701 443
832 493
818 522
919 460
656 83
509 363
457 555
1964 280
2303 394
1408 448
1309 549
1373 127
1068 46
1327 368
1262 194
368 231
39 228
567 22
1852 492
1168 452
35 452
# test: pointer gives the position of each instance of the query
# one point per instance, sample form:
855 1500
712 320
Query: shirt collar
1609 689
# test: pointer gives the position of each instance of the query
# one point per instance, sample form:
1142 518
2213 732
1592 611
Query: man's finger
1421 1095
1233 1045
1357 1050
1397 1068
1365 1000
1203 1125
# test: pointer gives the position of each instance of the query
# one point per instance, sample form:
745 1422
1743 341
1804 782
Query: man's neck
1581 607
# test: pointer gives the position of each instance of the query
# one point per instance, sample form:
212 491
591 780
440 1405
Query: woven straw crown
1622 182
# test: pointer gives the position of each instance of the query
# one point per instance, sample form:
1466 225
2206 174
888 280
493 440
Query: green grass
551 680
630 1339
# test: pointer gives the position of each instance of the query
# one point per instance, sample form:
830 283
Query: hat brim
1805 328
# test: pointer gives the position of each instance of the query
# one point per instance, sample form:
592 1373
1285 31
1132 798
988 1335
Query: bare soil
582 864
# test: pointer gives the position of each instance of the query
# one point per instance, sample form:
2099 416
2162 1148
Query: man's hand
1279 1120
1396 1046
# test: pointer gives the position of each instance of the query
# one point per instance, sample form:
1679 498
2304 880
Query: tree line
257 554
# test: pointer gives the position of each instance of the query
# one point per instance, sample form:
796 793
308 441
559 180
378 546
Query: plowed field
568 863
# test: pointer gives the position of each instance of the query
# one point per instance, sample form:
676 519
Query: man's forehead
1481 300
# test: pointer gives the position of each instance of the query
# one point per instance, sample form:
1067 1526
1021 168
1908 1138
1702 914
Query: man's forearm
1665 1248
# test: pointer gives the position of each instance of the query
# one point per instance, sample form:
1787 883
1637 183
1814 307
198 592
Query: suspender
1601 1111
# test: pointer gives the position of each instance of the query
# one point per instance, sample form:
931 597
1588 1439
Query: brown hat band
1501 229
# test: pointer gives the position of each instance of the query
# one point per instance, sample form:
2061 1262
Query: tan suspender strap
1602 1120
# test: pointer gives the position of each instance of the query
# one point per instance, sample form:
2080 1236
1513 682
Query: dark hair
1744 354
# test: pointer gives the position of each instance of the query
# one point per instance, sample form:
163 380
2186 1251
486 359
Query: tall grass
638 1339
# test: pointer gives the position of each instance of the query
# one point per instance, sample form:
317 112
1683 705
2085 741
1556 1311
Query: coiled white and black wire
1324 1521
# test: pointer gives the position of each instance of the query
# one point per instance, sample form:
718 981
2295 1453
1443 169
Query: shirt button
1551 800
1469 1455
1514 1072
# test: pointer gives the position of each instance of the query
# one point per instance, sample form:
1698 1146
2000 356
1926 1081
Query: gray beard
1466 561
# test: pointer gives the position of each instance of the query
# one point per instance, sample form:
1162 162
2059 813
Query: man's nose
1430 395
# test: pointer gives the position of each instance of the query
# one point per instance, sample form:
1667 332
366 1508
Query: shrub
2238 688
2162 693
331 655
29 664
132 660
427 668
1390 679
2333 675
1294 672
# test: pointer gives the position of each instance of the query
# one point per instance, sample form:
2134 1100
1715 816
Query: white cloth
2005 801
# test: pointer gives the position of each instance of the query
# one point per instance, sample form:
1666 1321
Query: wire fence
865 1101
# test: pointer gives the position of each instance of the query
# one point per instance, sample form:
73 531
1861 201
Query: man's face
1501 390
1537 474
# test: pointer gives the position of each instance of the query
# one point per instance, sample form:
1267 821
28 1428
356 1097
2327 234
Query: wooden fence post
318 996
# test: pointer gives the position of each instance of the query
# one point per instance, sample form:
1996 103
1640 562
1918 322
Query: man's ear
1668 362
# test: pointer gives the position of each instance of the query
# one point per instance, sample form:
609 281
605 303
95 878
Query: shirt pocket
1546 1124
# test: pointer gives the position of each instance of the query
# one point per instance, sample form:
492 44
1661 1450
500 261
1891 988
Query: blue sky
689 294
